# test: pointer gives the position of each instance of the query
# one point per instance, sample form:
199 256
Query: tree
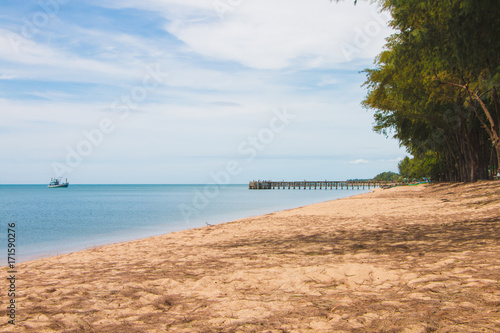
436 84
426 166
387 176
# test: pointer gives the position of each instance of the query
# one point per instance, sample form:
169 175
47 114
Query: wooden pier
319 185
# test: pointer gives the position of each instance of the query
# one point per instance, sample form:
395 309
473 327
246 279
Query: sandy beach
408 259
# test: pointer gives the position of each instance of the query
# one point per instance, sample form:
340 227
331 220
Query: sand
408 259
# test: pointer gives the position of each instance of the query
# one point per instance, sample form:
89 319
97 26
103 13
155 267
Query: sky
189 91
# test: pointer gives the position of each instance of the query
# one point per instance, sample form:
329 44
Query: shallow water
61 220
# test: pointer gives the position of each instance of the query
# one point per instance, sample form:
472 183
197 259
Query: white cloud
393 160
51 95
360 161
274 34
279 34
7 77
257 34
30 59
328 80
180 7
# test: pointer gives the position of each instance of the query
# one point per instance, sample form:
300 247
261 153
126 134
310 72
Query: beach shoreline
90 215
409 259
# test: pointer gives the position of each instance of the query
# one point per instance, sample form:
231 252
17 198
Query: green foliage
425 166
387 176
436 86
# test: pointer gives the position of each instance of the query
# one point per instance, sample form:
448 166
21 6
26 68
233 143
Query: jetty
322 184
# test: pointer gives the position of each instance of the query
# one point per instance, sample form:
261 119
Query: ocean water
61 220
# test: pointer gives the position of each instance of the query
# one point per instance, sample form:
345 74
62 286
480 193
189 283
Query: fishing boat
57 182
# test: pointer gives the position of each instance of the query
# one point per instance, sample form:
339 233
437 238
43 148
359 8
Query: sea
50 221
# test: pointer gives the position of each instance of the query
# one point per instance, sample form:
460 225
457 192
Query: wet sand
409 259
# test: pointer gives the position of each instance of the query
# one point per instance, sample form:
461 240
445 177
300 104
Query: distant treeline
387 176
436 86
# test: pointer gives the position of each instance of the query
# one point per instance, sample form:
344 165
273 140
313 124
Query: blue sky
188 91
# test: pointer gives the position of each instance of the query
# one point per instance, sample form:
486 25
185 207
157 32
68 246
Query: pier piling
359 184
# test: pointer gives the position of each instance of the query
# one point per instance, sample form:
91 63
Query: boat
57 182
